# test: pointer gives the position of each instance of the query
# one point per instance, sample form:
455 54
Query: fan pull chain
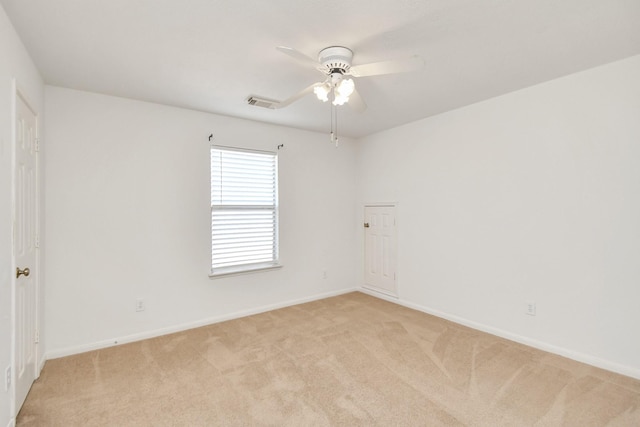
336 140
334 124
331 136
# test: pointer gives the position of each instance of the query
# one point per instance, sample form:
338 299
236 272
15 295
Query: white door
380 248
25 234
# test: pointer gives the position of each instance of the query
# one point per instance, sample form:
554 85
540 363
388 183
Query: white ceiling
209 55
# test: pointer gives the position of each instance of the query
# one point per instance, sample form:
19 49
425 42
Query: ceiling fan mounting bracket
336 59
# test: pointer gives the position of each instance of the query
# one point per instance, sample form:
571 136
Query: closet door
380 249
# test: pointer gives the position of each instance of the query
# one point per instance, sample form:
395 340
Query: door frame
18 94
394 205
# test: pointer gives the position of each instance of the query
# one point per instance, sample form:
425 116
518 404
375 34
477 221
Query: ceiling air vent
262 102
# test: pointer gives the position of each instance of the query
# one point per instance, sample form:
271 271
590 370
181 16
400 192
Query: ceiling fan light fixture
340 99
335 63
342 91
346 87
322 92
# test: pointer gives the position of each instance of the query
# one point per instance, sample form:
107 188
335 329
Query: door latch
366 225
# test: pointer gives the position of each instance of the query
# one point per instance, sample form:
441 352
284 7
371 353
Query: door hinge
37 145
37 336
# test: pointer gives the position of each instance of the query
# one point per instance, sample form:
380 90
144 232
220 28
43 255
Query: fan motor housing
335 58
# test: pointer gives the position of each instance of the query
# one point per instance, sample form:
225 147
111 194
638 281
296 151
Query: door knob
19 272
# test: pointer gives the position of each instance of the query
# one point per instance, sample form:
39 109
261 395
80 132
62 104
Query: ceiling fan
334 62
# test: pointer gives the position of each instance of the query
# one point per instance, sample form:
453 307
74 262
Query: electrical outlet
530 308
7 378
140 304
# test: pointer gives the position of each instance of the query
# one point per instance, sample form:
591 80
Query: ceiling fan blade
297 96
356 102
387 67
299 56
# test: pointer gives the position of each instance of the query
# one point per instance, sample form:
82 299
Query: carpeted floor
346 361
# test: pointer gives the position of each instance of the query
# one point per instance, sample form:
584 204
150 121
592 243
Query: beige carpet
346 361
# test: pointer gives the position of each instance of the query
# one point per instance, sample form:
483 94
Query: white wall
128 217
534 195
15 65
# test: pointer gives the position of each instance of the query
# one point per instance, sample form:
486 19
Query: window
244 210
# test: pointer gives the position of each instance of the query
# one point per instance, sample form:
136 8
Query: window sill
235 271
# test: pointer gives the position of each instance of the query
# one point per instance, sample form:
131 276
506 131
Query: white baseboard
54 354
540 345
377 291
41 363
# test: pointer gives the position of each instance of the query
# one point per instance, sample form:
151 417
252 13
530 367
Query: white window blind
244 210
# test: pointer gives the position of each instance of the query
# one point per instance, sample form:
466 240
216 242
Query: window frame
251 267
